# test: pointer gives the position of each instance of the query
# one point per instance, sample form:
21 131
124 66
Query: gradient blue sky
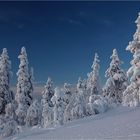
62 37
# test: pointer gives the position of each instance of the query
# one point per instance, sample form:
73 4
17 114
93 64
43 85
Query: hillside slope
121 123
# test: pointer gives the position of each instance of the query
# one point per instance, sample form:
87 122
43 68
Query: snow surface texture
122 123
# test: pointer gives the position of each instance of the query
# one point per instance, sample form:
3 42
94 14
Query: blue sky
62 37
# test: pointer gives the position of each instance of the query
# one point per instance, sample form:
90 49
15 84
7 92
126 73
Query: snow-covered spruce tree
47 114
79 105
93 86
33 114
131 96
47 105
59 106
23 96
48 92
67 99
116 82
6 95
67 93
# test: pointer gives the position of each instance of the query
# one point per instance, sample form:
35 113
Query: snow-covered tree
67 93
48 92
117 80
10 111
31 79
59 105
47 105
93 85
47 114
8 125
33 114
68 99
23 95
79 104
6 95
131 96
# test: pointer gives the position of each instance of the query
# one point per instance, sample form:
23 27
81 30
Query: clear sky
62 37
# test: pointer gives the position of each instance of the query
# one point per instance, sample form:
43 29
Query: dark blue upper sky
62 37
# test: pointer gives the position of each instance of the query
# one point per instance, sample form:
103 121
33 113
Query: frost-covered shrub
8 125
100 105
9 128
97 104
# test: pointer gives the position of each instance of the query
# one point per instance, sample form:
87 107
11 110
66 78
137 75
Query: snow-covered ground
122 123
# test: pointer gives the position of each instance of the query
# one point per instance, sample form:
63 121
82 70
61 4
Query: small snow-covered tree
131 96
79 104
67 99
8 125
59 105
23 95
6 95
93 85
10 111
9 128
47 114
117 80
97 104
48 92
67 93
47 105
33 114
21 111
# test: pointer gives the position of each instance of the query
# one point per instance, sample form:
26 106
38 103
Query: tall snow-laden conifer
131 96
93 86
23 95
117 80
6 95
